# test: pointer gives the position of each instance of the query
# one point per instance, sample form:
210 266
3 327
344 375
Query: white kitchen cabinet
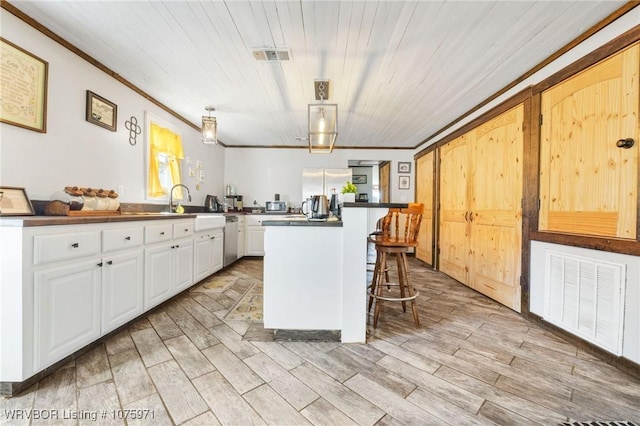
183 264
208 253
254 241
255 236
122 288
66 309
158 281
168 265
122 275
242 225
64 286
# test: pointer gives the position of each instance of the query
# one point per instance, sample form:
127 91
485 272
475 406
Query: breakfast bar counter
315 272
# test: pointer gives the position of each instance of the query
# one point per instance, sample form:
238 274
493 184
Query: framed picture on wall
359 179
14 202
403 182
101 112
404 167
24 88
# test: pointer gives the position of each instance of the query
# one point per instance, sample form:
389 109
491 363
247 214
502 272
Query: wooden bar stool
399 233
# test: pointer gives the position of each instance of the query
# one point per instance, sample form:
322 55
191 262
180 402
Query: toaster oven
275 206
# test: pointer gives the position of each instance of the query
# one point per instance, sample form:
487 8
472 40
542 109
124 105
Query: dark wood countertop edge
29 221
334 223
377 205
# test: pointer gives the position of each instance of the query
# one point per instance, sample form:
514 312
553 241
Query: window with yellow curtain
165 151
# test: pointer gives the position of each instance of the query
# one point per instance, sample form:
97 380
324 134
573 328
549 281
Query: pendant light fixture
323 121
209 128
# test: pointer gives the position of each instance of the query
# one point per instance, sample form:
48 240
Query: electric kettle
319 207
211 204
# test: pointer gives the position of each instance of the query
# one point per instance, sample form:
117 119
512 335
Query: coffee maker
233 202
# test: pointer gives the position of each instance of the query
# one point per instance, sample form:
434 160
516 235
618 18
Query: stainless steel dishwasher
230 240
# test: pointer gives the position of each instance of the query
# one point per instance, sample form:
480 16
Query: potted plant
349 192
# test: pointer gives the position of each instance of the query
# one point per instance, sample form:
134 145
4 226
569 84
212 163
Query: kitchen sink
209 221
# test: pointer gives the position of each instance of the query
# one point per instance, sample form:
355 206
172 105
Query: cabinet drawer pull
110 262
75 245
100 264
162 233
186 229
127 238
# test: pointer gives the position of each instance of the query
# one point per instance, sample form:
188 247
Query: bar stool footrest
395 299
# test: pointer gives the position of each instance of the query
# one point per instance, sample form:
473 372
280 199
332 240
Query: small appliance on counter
319 207
212 205
275 207
233 202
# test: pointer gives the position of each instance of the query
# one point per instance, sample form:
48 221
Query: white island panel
303 277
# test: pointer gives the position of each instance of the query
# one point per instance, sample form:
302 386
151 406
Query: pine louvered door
454 208
424 194
495 208
480 219
588 185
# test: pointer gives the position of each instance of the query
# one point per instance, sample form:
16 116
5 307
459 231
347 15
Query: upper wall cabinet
480 221
588 184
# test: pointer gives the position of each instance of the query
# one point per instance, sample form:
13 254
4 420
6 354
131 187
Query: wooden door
385 178
587 184
495 208
454 208
424 194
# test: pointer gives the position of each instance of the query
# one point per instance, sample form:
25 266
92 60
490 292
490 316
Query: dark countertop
27 221
307 222
377 205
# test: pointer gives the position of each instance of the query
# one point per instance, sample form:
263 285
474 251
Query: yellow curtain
163 141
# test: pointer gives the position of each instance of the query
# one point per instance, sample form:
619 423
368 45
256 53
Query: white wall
76 152
258 174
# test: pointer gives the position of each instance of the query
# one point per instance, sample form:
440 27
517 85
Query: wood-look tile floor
472 361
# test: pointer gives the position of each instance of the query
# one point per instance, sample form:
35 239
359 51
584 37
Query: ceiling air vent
271 55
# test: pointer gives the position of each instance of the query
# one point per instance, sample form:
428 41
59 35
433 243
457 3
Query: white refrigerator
317 181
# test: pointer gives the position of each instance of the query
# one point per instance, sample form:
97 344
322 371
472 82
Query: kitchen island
315 273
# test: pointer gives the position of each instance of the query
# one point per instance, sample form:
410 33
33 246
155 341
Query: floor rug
249 307
217 284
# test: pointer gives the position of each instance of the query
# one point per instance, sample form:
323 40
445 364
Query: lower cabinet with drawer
168 263
64 286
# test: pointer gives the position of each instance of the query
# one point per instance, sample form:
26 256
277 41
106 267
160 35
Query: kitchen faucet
171 195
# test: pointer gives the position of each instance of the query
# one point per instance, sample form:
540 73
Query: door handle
625 143
75 245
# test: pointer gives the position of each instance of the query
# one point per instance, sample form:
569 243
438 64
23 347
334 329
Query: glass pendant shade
209 130
323 127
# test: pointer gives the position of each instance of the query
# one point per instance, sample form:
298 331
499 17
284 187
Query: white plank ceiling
399 70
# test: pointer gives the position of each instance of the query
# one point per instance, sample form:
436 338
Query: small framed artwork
101 112
404 167
403 182
14 202
24 88
359 179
